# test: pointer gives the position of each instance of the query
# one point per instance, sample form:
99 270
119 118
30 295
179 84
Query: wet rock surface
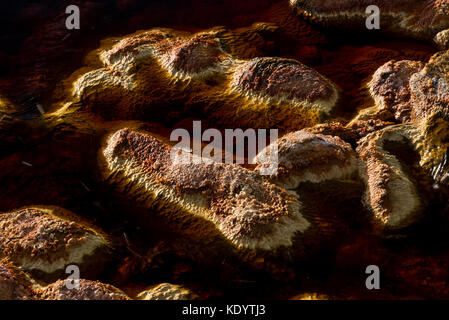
390 88
205 73
14 284
307 157
167 291
46 240
402 17
363 167
87 290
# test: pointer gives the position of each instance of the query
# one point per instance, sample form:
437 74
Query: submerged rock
430 87
15 284
415 18
411 90
308 157
442 39
248 212
204 73
390 88
87 290
167 291
46 240
392 193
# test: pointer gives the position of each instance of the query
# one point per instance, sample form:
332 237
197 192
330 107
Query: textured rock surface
88 290
430 86
14 284
390 88
442 39
422 19
411 90
307 157
285 80
257 72
166 67
166 291
249 212
352 132
45 240
392 194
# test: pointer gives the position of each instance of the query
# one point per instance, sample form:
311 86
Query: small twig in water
129 247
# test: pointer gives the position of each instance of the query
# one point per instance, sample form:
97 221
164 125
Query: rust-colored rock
430 86
87 290
410 90
391 90
167 291
307 157
285 80
421 19
46 240
392 194
442 39
14 284
205 73
248 212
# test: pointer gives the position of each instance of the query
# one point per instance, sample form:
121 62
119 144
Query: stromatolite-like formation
422 19
248 212
392 193
362 163
411 90
442 39
198 56
323 171
14 284
417 95
87 290
167 291
308 157
285 80
17 285
390 88
204 73
430 87
46 240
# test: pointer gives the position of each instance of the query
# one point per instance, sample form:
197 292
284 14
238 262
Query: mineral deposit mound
202 149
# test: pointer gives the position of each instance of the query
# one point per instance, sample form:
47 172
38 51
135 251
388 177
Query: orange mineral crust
423 19
308 157
354 173
249 212
44 240
206 74
14 284
87 290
